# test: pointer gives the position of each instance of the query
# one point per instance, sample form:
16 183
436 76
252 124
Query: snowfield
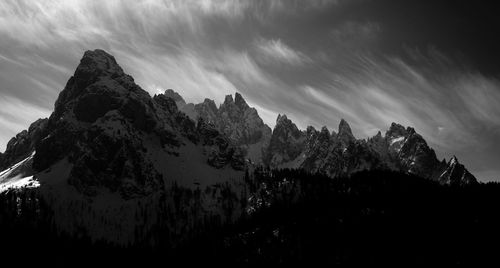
18 176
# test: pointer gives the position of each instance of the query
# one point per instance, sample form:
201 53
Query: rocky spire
456 174
210 104
286 126
239 101
324 131
228 100
23 144
101 70
281 119
286 142
345 133
396 130
207 110
453 161
175 96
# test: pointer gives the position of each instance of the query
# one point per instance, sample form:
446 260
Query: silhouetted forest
290 217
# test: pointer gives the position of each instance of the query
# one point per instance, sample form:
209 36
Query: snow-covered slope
18 176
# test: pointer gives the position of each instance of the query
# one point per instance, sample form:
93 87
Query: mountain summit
237 120
110 146
401 149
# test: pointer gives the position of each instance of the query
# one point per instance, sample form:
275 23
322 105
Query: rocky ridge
108 129
235 119
341 154
114 134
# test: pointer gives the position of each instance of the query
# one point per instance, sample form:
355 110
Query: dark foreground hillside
292 217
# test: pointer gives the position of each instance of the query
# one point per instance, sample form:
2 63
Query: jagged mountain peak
344 127
456 174
174 95
97 86
166 102
311 131
402 148
228 100
95 62
378 138
396 130
284 123
210 104
23 144
324 131
281 119
345 133
239 101
239 122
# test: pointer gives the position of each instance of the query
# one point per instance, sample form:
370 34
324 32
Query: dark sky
432 65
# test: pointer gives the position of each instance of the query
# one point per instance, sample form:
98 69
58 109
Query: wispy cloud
277 51
455 109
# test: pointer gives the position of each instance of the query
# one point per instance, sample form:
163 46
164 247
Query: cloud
355 30
455 109
278 51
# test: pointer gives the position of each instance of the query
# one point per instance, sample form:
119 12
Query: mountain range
108 146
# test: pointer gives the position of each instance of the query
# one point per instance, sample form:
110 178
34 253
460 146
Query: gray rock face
23 144
456 174
99 125
221 152
342 154
107 127
239 122
170 93
286 144
345 134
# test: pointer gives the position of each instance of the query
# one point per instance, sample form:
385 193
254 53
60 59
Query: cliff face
23 144
237 121
341 154
115 135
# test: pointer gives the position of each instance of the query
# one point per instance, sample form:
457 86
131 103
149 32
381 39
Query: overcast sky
434 66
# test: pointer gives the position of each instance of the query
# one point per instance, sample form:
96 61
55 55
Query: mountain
115 164
110 149
23 144
235 119
286 144
113 134
102 116
341 154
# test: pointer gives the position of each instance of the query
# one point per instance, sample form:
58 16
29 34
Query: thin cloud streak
280 52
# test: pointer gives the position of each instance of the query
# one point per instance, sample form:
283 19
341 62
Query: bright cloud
279 51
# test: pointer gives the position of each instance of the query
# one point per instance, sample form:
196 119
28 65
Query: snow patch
18 176
19 182
400 139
